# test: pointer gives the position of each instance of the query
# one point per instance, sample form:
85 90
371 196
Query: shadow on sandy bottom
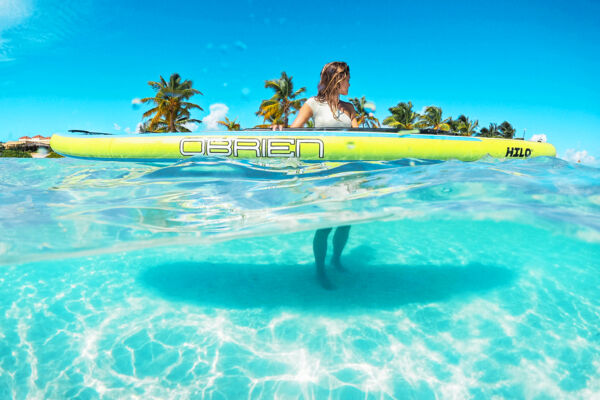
241 286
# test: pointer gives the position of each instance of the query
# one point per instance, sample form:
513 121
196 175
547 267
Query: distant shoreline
28 149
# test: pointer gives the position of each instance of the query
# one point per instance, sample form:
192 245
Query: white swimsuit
324 117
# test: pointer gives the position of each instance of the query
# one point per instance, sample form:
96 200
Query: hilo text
517 152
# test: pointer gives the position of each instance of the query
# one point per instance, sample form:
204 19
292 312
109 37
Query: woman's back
324 118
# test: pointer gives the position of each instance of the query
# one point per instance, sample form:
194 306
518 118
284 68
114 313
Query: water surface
195 280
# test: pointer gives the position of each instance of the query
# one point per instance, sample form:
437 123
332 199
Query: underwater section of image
197 280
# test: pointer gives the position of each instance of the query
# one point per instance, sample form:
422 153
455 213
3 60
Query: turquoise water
195 280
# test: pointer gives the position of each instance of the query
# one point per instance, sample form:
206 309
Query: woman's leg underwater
320 251
339 242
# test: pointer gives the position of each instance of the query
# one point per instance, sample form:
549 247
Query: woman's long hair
332 75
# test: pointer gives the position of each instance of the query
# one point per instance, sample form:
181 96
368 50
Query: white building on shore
37 140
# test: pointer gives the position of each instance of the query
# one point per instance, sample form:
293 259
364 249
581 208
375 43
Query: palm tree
269 121
432 118
144 127
180 122
283 103
453 124
491 131
402 117
171 112
363 116
507 130
231 125
465 126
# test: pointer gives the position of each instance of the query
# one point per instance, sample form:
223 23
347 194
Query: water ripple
82 207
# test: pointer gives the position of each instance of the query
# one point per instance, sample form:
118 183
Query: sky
82 65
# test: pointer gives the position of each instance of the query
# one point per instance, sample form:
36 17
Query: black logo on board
517 152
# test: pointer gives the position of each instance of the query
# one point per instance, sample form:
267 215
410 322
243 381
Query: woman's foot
338 265
325 282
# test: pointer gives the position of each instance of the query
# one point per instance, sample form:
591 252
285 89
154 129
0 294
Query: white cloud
191 126
138 128
12 13
135 103
116 126
538 138
26 25
579 156
370 107
127 130
218 111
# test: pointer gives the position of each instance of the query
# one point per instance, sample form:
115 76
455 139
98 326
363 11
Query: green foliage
54 155
506 129
283 103
491 131
363 118
231 125
171 112
403 116
453 124
145 127
15 153
465 126
432 118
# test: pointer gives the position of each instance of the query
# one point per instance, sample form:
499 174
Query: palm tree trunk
286 113
172 121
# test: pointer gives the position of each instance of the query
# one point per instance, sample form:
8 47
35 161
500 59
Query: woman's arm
352 113
303 115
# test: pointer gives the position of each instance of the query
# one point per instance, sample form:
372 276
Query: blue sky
67 65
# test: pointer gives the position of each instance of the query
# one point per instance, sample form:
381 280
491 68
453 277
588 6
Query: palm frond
284 97
171 111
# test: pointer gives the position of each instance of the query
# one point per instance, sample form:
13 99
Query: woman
327 110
